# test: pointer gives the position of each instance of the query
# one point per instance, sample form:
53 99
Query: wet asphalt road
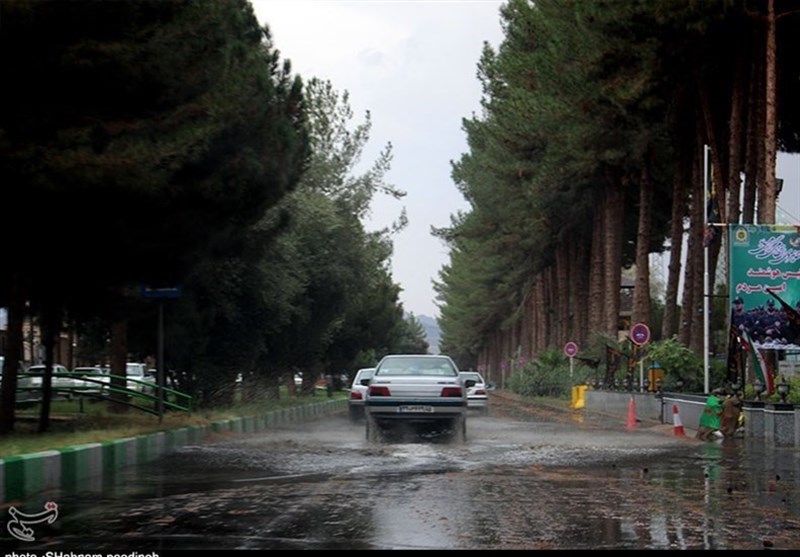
532 479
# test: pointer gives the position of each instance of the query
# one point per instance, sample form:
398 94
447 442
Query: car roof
43 365
427 363
416 356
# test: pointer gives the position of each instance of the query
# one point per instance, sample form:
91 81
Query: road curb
87 467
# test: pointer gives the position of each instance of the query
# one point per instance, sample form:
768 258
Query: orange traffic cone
676 421
631 414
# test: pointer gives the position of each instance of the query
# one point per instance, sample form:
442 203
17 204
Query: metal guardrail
147 391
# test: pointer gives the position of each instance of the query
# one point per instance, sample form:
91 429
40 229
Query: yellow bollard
578 397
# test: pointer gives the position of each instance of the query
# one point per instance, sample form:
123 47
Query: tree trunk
596 276
580 289
766 206
13 356
612 264
754 145
669 324
692 291
734 180
717 183
641 291
51 321
119 359
541 313
562 324
693 310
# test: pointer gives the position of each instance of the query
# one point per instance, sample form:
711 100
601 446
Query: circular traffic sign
640 334
570 349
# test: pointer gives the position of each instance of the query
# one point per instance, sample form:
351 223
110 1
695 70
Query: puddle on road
514 485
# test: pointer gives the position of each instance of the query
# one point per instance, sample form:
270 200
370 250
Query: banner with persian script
765 283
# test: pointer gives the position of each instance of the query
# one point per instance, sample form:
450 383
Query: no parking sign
640 334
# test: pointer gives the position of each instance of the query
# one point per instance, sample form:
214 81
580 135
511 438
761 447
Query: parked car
478 394
423 392
95 379
63 383
142 382
23 394
358 391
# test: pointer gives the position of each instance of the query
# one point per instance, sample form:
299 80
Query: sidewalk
608 420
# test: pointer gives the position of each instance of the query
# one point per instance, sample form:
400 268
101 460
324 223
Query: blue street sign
170 292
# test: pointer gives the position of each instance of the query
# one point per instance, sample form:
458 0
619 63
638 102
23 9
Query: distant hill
432 332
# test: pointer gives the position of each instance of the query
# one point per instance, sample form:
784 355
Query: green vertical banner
765 283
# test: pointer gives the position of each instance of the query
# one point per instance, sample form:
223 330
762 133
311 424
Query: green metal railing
135 396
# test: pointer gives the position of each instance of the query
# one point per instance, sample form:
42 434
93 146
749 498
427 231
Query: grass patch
72 424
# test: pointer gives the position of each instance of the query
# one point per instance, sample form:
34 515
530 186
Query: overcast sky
413 65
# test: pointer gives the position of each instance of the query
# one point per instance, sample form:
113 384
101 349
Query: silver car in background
95 379
358 391
62 382
419 393
477 394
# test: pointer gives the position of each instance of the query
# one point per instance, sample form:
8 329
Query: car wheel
373 430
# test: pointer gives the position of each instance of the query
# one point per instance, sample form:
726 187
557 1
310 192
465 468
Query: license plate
415 409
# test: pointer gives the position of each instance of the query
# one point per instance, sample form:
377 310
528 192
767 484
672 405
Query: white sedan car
358 391
95 379
478 394
422 393
63 383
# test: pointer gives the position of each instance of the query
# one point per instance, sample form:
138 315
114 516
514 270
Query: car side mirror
469 383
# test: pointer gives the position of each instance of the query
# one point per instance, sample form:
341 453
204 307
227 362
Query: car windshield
364 374
135 370
472 375
411 365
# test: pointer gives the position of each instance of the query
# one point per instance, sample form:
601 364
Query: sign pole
570 349
641 375
640 335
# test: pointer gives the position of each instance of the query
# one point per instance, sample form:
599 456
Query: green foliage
677 360
150 117
547 376
792 397
311 291
578 97
207 164
412 339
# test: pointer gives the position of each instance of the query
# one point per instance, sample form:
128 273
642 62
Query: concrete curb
88 467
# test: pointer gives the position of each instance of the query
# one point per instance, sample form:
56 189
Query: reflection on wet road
532 480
